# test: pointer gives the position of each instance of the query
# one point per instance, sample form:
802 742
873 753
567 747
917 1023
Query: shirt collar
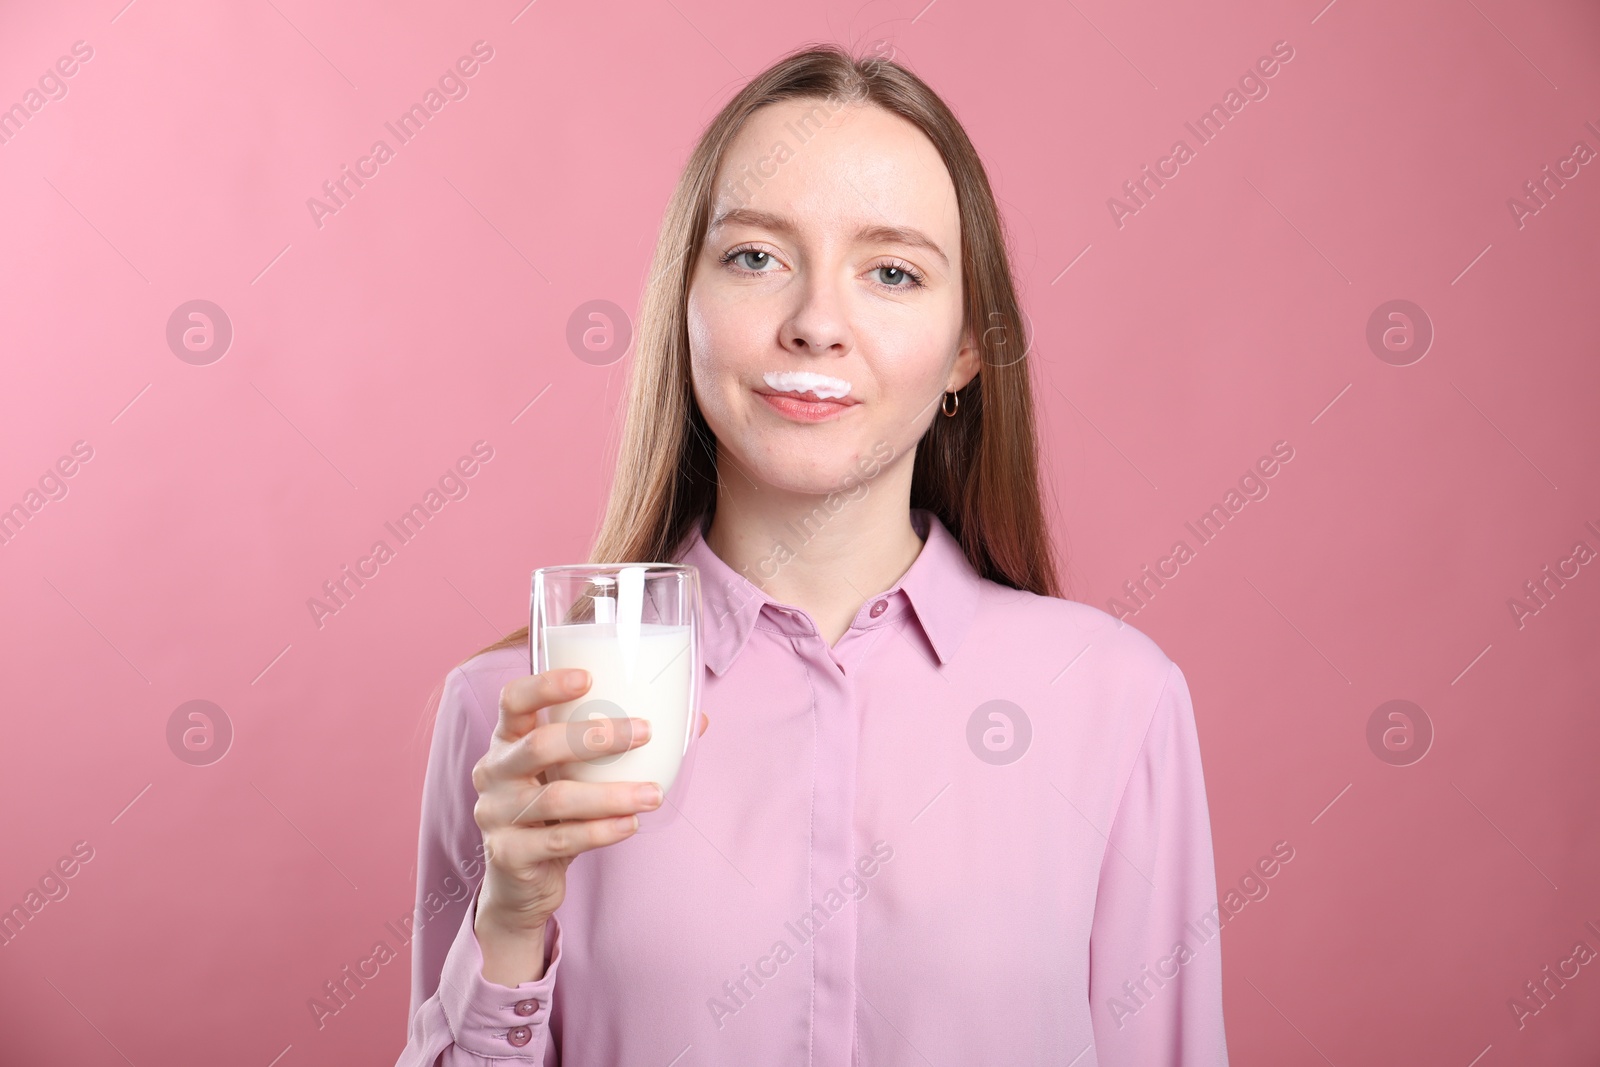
941 588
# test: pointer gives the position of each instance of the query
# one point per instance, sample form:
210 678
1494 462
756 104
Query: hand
533 826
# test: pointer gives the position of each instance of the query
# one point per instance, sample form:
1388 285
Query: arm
455 1010
473 1022
1155 953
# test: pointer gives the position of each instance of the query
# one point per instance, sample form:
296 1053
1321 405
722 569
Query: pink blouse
972 831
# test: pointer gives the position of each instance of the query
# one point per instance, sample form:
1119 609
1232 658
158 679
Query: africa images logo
452 85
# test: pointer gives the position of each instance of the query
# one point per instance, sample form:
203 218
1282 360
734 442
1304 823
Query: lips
807 396
805 408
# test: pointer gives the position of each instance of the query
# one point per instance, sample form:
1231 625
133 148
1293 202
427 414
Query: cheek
699 324
718 328
727 341
712 353
912 369
912 365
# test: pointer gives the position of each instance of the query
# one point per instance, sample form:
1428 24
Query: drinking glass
635 627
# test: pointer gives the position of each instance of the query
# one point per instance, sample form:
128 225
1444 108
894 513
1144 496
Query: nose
819 324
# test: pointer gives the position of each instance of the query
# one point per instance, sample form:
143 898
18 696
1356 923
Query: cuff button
519 1035
527 1007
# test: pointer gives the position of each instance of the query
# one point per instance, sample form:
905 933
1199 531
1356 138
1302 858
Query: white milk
644 670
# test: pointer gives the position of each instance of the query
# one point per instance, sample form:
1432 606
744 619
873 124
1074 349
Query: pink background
370 353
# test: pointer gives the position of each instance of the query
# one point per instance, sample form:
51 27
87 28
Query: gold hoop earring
951 411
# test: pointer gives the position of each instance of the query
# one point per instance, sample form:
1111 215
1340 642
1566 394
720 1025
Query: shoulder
1063 629
495 663
471 698
1111 679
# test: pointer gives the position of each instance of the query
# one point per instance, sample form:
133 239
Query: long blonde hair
977 471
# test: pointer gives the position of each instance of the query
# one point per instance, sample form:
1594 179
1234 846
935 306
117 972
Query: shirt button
879 608
519 1035
527 1007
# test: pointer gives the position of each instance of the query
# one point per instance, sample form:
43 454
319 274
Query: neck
826 555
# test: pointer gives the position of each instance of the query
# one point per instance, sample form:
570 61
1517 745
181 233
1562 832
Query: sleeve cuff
493 1020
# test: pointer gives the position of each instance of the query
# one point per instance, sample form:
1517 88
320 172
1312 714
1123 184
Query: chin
807 481
816 472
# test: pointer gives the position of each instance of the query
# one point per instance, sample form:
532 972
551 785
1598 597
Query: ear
968 361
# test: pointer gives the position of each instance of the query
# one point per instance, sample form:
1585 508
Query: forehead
836 169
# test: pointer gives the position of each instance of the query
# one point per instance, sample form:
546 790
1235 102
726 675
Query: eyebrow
767 220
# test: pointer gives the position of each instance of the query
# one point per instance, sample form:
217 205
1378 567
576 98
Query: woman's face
815 276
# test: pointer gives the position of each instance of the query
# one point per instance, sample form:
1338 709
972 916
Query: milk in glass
639 670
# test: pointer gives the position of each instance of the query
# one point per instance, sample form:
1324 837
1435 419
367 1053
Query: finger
520 847
568 742
535 804
521 699
705 720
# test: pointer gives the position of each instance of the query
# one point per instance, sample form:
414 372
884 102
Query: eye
909 277
737 253
898 274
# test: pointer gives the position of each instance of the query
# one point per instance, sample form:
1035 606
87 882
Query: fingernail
577 678
641 728
648 795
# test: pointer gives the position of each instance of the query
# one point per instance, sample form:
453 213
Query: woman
946 816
